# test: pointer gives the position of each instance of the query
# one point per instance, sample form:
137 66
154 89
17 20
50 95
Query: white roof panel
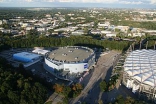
141 65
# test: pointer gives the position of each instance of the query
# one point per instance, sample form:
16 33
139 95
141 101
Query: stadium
70 59
140 73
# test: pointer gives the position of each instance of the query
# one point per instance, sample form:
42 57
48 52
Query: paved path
102 70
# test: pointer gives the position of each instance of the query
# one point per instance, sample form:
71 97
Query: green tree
58 88
100 102
103 86
13 96
120 100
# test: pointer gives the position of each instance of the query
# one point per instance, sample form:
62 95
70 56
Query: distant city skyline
80 3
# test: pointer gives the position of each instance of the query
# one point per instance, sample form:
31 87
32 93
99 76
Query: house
32 21
77 32
105 32
111 35
14 32
1 29
48 15
6 30
24 25
29 28
122 28
95 31
67 29
135 30
149 31
41 29
136 34
103 25
70 14
1 22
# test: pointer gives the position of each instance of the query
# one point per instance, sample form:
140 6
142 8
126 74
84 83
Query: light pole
146 44
140 43
154 45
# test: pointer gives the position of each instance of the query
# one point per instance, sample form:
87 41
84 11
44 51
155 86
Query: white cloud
131 2
65 0
84 1
102 1
5 1
49 0
29 0
153 1
97 1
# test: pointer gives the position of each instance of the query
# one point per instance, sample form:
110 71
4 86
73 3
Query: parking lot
8 54
36 69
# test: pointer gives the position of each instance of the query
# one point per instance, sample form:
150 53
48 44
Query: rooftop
141 65
26 55
70 54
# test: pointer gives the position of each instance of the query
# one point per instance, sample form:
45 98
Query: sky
80 3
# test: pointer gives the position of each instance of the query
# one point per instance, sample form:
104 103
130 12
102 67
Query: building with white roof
24 24
29 28
105 32
40 29
1 22
77 32
140 72
40 51
136 34
106 24
70 59
111 35
95 31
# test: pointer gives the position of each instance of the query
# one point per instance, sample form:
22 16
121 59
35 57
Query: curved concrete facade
76 65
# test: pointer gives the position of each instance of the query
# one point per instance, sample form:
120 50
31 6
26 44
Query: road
102 70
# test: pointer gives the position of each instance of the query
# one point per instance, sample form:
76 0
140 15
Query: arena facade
69 59
140 73
26 58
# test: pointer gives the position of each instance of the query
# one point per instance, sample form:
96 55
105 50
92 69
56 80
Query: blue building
26 57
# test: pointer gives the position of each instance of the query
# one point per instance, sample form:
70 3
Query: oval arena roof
141 65
71 53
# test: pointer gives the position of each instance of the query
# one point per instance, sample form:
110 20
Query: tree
120 100
58 88
117 30
32 33
20 83
103 86
66 91
13 97
86 30
51 31
129 100
100 102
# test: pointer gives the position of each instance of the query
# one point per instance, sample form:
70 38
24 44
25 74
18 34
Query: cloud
66 1
131 2
5 1
83 1
49 0
153 1
102 1
28 0
141 3
97 1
